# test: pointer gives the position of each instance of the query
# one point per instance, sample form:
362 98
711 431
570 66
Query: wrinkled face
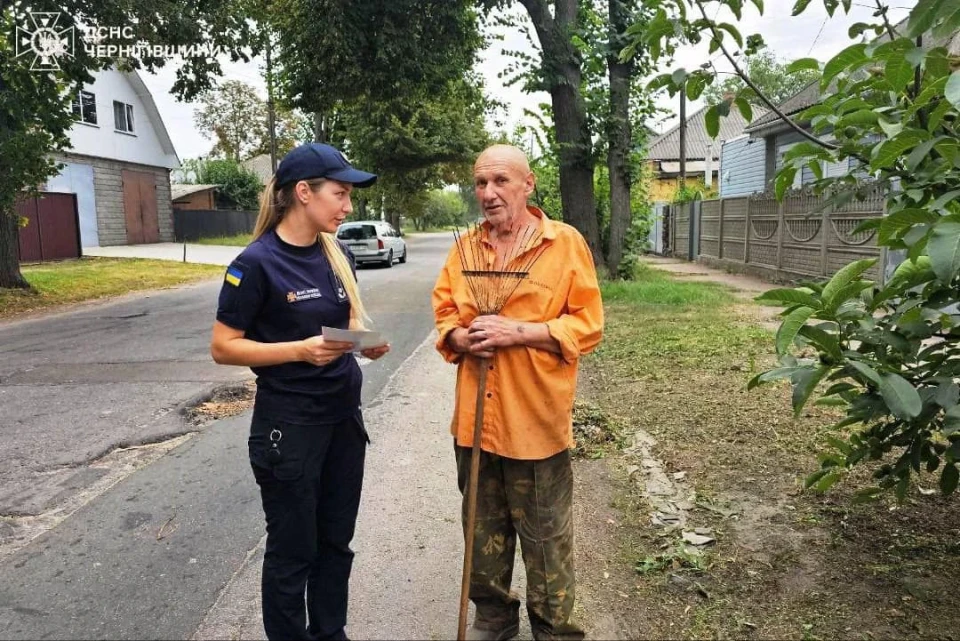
326 205
502 182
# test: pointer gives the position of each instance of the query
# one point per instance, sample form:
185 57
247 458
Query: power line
819 33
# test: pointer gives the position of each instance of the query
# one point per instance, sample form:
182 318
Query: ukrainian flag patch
234 276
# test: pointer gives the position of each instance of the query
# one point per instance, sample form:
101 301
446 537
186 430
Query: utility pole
708 167
683 135
271 107
691 206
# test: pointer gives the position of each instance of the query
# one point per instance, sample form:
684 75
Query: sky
809 35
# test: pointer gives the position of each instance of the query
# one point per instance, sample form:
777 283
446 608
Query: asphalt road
148 557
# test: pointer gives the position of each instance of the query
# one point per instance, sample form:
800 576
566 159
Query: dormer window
85 107
123 117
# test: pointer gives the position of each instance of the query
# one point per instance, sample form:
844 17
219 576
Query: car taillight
379 243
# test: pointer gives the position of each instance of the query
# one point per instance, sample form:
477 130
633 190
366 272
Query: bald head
505 155
503 182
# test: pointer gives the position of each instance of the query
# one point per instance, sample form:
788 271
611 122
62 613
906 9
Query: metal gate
683 229
53 228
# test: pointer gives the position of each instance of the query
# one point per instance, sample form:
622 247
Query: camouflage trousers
532 501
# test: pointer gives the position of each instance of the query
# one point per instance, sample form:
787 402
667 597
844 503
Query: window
123 117
85 107
357 232
798 179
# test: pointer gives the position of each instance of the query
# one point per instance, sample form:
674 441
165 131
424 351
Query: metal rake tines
493 282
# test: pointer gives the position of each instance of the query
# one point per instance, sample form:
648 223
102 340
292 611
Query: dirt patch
594 433
787 563
758 316
606 582
225 402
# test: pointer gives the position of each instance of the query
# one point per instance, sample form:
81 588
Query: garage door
140 207
53 228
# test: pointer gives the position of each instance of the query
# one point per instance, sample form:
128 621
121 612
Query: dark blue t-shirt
277 292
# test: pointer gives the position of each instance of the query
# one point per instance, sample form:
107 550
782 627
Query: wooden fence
793 239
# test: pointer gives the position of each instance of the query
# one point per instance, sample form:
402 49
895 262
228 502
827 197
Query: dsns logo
44 40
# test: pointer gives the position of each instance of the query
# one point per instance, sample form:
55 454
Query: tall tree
293 128
560 74
628 102
615 105
370 49
418 143
391 82
35 106
235 117
769 74
620 139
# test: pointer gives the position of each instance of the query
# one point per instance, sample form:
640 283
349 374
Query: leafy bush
890 353
440 209
241 186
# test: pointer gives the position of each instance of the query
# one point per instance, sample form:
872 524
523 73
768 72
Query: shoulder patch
234 275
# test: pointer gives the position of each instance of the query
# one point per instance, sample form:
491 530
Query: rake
491 284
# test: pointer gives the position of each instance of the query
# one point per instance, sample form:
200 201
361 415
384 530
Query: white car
373 241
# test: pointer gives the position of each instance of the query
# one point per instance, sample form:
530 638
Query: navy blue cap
316 160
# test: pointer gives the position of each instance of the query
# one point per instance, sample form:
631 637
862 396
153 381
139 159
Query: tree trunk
10 276
620 139
562 74
319 128
576 165
362 207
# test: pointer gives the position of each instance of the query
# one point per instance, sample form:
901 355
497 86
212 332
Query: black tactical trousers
311 494
532 501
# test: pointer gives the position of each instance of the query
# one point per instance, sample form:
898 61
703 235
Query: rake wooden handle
471 497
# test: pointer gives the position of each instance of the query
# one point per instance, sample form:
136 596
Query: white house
119 163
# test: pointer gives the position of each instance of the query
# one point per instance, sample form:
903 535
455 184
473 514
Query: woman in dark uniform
307 438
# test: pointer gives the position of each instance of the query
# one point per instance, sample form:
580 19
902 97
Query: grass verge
787 563
68 282
240 240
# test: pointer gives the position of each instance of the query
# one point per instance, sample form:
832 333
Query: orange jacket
530 392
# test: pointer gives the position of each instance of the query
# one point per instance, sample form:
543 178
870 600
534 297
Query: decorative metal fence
789 240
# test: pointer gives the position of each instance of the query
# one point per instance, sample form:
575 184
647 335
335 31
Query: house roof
152 113
667 146
805 98
810 95
178 191
260 165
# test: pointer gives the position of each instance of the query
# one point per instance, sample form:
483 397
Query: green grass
409 229
63 283
656 321
240 240
652 287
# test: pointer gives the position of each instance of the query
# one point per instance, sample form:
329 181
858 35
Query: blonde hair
274 205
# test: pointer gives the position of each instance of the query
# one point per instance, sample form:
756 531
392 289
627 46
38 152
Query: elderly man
526 478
